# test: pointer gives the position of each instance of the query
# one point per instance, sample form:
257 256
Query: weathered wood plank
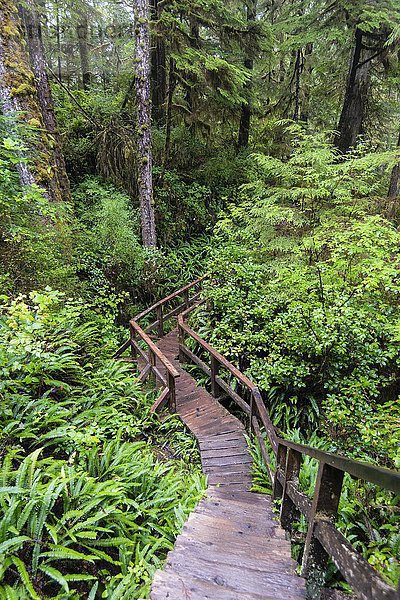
357 571
231 547
193 553
236 579
161 401
225 452
219 461
262 553
170 586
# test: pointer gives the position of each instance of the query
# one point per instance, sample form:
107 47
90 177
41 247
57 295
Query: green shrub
304 296
35 235
88 506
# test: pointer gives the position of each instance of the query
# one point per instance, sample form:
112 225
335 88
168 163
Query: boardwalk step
231 546
273 551
237 579
170 586
219 461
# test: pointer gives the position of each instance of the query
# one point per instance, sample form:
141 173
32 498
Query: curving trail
231 547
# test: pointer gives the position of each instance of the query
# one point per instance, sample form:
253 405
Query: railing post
172 392
186 298
215 389
152 362
325 504
181 332
251 412
289 511
160 321
132 333
280 468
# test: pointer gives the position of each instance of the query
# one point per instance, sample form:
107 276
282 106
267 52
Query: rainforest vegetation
142 144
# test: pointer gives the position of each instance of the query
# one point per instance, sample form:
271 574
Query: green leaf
13 544
23 573
55 575
63 553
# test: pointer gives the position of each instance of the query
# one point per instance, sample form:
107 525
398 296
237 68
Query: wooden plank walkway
232 547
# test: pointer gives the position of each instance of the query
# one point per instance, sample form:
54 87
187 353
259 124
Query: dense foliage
274 133
306 300
89 507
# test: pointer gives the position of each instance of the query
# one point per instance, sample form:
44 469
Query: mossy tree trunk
19 102
33 34
144 137
171 89
394 185
82 31
246 111
190 97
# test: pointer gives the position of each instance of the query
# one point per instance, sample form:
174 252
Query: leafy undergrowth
88 505
303 296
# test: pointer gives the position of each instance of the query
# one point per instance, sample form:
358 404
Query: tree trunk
171 88
59 64
298 71
19 101
246 111
158 67
355 101
82 30
394 186
306 87
60 189
144 138
194 42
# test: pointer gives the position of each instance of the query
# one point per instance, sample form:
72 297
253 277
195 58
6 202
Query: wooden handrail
385 478
380 476
169 298
215 354
156 351
323 539
153 354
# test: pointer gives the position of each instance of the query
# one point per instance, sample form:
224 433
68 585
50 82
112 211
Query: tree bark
58 29
144 137
394 186
246 110
171 88
19 101
82 30
306 87
158 67
352 117
194 42
298 71
60 189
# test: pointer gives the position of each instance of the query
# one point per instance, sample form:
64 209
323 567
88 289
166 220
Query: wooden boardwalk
231 547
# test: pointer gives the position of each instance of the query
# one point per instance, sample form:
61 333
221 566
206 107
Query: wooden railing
143 349
323 540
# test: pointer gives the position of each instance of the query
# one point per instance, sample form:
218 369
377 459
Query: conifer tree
144 133
372 23
245 116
